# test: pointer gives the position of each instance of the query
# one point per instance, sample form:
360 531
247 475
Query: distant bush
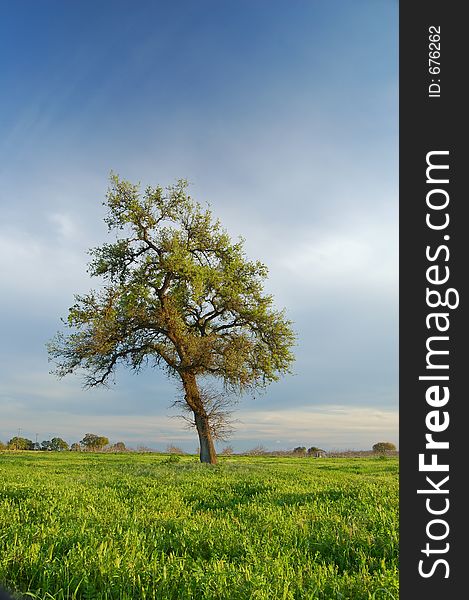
299 451
227 450
258 451
2 446
384 447
118 447
316 452
144 449
75 447
171 449
173 458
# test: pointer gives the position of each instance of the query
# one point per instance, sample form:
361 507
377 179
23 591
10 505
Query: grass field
137 527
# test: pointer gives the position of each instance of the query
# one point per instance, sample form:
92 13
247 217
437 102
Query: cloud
43 262
66 228
131 428
134 411
325 264
329 426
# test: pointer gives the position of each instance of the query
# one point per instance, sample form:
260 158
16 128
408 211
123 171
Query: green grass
137 527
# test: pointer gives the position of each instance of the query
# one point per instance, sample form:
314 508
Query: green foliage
20 443
172 458
58 444
77 526
383 447
178 293
94 442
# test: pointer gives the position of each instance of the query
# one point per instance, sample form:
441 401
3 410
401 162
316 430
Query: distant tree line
90 442
99 443
380 448
312 451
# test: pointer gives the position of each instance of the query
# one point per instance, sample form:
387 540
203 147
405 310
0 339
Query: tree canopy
384 447
20 443
177 293
91 441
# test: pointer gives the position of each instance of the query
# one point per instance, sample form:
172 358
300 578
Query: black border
427 124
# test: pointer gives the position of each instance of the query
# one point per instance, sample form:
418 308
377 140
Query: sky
283 116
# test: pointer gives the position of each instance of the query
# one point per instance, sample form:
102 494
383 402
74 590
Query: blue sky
283 116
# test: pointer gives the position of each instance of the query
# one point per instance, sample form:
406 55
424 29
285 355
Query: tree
300 451
93 442
119 447
383 447
75 447
46 445
178 294
58 444
218 409
316 452
20 443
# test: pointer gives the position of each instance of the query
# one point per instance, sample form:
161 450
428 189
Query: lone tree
177 293
383 447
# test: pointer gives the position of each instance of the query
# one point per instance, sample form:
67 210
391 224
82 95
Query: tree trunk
207 449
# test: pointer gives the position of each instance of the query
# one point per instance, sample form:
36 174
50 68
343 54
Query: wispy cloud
39 274
327 426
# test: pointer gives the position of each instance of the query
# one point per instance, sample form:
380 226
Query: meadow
138 526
